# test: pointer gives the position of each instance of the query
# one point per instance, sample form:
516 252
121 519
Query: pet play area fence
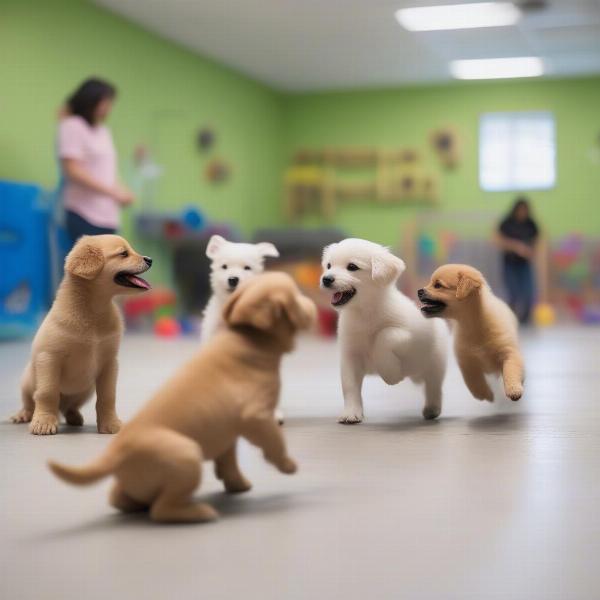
25 257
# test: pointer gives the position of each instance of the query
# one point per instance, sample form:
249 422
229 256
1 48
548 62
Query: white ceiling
301 45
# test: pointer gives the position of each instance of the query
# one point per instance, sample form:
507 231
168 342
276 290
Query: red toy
167 327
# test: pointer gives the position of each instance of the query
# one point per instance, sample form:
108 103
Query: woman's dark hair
87 96
520 202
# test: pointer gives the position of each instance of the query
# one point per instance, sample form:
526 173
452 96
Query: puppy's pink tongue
336 297
139 281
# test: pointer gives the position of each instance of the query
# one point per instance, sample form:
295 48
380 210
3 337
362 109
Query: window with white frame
517 151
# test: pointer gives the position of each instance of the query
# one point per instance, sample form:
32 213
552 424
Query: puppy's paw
351 416
391 378
431 412
112 425
513 391
484 394
74 417
192 513
44 424
205 513
287 466
23 416
279 417
237 486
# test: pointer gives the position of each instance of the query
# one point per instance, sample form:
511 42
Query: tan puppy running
486 338
75 348
229 389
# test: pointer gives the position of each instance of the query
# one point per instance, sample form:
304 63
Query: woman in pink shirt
92 195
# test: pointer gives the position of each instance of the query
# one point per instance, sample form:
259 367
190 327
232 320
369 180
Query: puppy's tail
85 475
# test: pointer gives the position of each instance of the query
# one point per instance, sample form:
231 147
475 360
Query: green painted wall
405 116
165 95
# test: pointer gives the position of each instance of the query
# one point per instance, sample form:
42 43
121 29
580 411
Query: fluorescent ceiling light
458 16
497 68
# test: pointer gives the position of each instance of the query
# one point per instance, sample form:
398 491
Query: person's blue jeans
77 226
520 285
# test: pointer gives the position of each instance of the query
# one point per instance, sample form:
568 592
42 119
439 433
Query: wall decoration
217 171
205 139
144 176
306 190
408 185
445 142
430 188
309 157
408 156
350 157
320 179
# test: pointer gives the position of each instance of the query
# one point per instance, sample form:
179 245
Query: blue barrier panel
24 258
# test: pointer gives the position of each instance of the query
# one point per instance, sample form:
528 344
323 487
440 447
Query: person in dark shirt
517 237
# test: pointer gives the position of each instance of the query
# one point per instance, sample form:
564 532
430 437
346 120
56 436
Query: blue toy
193 218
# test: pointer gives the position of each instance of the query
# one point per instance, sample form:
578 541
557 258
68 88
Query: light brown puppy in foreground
75 348
229 389
486 338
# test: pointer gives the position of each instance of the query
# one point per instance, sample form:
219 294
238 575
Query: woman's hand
523 250
78 173
511 245
122 195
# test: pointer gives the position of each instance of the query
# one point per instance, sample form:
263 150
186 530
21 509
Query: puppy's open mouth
131 280
341 298
431 306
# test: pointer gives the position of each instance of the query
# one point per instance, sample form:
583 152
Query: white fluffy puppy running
231 264
381 331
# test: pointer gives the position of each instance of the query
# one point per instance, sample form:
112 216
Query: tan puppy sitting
486 338
75 348
229 389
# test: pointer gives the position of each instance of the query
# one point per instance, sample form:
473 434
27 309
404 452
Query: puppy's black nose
421 293
233 281
328 281
147 260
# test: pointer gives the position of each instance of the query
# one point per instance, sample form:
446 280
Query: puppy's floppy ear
215 243
241 310
85 259
467 284
266 249
386 268
300 310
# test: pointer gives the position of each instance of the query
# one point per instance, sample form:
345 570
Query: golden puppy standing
486 333
75 348
229 389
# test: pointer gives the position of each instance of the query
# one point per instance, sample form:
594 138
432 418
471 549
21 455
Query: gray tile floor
490 501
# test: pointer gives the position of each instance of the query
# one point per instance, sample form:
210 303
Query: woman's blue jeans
520 285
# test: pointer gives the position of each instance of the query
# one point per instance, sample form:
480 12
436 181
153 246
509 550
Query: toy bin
24 256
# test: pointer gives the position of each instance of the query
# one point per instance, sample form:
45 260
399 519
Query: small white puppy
381 331
231 264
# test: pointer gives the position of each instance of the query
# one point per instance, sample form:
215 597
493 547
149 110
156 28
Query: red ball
167 327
